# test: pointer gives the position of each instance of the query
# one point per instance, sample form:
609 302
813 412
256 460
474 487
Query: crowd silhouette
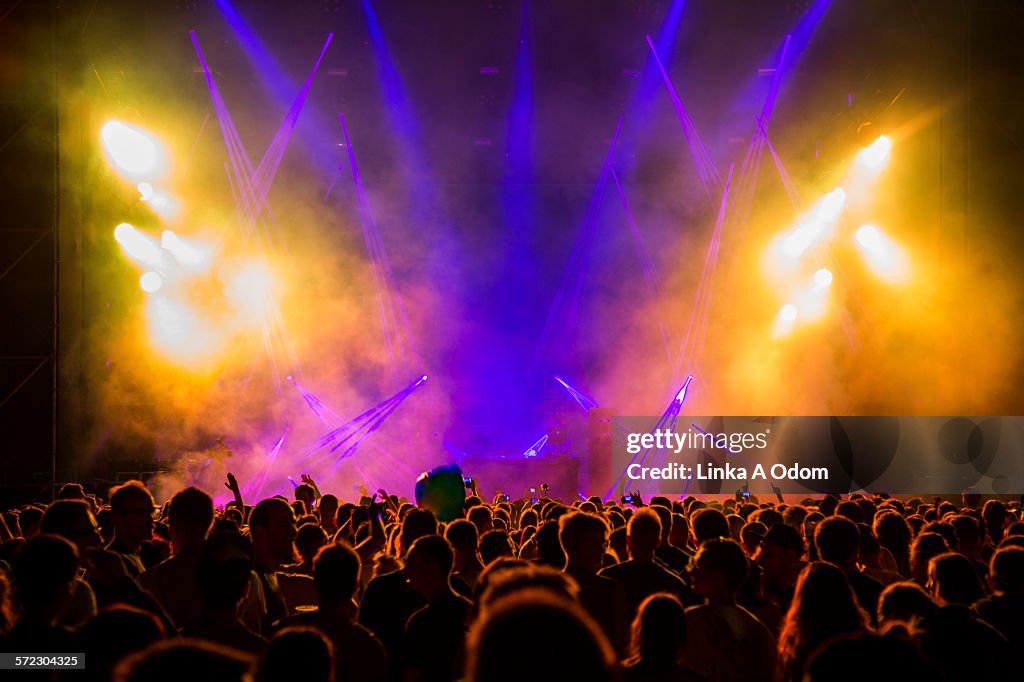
379 589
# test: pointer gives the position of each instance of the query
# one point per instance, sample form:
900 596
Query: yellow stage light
185 253
869 238
883 256
831 205
132 151
151 282
137 245
876 154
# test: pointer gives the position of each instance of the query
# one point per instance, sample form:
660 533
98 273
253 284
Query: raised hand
232 485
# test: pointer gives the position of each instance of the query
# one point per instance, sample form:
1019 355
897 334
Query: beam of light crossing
394 325
709 176
331 419
355 431
565 305
585 402
535 449
693 341
667 422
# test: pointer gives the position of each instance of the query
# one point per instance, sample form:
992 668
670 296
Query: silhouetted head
194 660
114 633
131 511
708 524
837 540
336 569
1006 571
565 643
298 653
224 569
719 569
494 544
953 579
584 539
659 631
904 602
272 525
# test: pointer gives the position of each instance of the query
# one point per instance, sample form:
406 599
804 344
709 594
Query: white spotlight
875 155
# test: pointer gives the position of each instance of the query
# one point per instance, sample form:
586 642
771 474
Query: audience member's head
131 512
564 642
679 533
780 554
428 566
719 570
328 509
549 547
1006 571
925 547
659 632
824 606
837 540
114 633
664 513
43 577
72 520
708 524
71 491
868 657
495 544
584 538
751 535
336 569
184 659
223 571
308 541
851 510
643 533
462 536
416 524
272 525
298 653
954 580
506 577
904 602
29 520
304 493
480 516
189 517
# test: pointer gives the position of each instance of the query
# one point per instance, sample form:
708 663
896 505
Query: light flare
876 155
138 246
133 151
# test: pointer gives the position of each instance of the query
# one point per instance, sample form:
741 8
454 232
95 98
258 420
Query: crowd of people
383 590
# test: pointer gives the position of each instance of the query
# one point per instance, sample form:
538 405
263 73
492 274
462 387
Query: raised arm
232 485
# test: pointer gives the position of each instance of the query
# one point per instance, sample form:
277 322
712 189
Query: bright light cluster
807 298
184 324
133 151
